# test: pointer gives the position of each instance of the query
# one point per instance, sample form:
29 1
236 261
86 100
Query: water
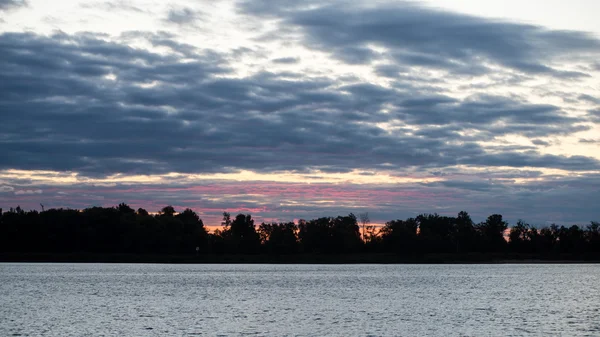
298 300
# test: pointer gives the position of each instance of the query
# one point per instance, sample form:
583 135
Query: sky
298 109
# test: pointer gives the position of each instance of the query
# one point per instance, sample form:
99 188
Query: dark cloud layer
12 4
183 16
419 36
80 103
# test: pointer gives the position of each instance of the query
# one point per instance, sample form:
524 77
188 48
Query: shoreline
301 258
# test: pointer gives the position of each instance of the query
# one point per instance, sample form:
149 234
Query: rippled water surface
298 300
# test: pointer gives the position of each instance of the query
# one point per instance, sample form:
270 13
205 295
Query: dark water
299 300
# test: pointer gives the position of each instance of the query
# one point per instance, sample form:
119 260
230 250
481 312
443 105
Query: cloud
287 60
533 159
594 115
183 16
540 142
104 107
539 199
8 4
589 99
389 70
28 192
491 115
459 112
112 6
418 36
12 4
5 189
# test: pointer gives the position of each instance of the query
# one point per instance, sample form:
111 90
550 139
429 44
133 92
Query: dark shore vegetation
122 234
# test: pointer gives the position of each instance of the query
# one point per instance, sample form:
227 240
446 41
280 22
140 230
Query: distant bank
300 258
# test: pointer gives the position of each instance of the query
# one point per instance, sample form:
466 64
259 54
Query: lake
299 300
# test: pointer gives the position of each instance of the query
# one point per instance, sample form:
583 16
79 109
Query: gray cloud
480 185
158 115
540 142
184 16
287 60
113 6
12 4
28 192
422 36
6 189
594 115
389 70
589 99
482 111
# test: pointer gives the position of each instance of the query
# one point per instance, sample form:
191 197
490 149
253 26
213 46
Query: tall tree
240 234
279 238
167 211
364 220
465 236
400 236
492 231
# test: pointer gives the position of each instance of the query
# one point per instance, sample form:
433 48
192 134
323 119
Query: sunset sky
295 109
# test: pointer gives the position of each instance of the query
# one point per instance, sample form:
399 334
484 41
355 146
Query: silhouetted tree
330 235
435 233
125 209
148 229
372 238
592 234
345 234
120 229
279 238
519 237
315 235
167 211
492 231
240 234
364 220
547 240
571 239
400 236
465 235
193 232
226 221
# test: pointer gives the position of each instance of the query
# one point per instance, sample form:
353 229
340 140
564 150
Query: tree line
123 230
